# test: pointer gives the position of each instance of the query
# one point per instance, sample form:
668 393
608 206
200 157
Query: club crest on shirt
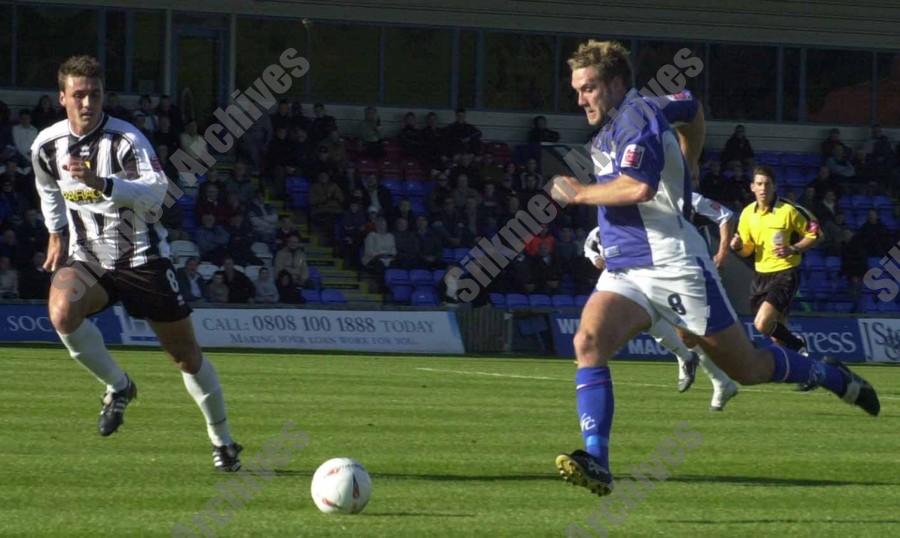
632 156
812 227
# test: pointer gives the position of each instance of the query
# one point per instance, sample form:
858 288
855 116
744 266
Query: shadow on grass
413 514
767 481
439 477
817 521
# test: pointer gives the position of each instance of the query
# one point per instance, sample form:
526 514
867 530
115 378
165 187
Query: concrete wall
865 23
862 23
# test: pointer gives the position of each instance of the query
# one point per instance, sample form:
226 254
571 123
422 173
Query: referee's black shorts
149 291
778 289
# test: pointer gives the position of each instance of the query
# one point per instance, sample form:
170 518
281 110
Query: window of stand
260 43
148 38
743 82
344 62
838 86
519 72
46 38
421 79
888 88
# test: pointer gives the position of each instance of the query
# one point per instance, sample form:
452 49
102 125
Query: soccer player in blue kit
657 263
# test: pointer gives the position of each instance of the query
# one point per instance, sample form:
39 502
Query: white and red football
341 485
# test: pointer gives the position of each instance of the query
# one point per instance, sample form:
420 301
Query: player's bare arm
624 190
726 230
691 137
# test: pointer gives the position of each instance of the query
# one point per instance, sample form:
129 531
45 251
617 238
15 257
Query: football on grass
341 485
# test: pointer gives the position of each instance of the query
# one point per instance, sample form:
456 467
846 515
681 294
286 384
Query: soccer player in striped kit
99 181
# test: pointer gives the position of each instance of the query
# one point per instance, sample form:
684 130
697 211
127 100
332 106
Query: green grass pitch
455 447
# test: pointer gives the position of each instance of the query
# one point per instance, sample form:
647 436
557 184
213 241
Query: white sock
718 377
204 388
663 333
86 346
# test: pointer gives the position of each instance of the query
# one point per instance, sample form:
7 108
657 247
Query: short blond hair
609 58
79 66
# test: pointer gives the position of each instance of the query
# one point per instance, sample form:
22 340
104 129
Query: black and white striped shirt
117 228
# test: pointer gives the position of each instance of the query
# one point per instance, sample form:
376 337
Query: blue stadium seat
769 159
460 253
873 261
447 255
421 277
539 300
792 159
581 300
299 200
860 201
516 300
814 260
315 277
311 296
437 276
818 281
832 263
882 201
333 297
394 185
396 277
887 306
401 294
418 206
498 299
841 307
296 184
889 221
563 301
423 296
813 160
795 176
415 189
868 303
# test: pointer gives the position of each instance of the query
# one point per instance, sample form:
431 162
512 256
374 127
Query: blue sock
792 367
594 394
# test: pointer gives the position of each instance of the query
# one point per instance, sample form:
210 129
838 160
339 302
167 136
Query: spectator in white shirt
266 291
24 134
380 247
9 280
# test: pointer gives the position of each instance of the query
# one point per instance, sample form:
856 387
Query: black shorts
778 289
147 292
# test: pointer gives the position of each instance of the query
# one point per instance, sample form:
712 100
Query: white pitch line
659 385
491 374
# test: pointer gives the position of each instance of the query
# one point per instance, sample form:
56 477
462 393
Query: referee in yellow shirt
777 232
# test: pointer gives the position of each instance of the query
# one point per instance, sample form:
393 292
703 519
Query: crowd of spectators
850 191
470 188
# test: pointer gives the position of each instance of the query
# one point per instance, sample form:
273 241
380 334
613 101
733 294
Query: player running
99 180
777 233
657 263
662 331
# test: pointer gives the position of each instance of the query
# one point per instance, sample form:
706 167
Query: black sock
786 337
